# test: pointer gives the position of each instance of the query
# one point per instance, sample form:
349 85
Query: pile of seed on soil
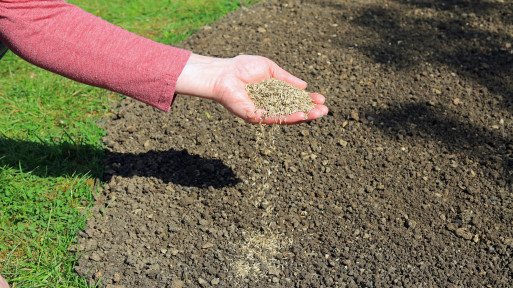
278 98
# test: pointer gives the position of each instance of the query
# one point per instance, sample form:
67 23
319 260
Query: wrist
199 76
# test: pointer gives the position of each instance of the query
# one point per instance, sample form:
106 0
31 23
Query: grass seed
279 98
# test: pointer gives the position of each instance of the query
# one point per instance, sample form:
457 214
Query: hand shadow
172 166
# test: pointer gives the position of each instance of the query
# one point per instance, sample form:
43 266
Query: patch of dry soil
407 182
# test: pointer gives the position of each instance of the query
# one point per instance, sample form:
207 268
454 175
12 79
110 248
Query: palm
231 93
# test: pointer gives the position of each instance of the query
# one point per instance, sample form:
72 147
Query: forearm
65 39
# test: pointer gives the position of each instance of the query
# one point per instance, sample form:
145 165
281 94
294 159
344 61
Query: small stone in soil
463 233
115 286
411 224
202 281
274 271
354 116
207 245
95 257
177 284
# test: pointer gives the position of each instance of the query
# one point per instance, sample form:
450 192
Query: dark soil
407 182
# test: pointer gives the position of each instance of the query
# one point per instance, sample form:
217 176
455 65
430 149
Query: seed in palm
279 98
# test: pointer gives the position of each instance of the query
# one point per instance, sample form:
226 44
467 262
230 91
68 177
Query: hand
224 81
3 283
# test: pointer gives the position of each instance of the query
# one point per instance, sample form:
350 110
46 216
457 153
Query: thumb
280 74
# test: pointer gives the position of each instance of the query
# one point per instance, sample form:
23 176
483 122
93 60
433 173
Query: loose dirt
407 181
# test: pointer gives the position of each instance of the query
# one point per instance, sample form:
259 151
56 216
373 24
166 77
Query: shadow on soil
172 166
68 159
492 149
464 35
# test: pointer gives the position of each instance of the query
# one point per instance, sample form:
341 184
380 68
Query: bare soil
407 182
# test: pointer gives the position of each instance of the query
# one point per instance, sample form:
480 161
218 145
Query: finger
317 98
298 117
284 120
322 108
315 113
280 74
255 117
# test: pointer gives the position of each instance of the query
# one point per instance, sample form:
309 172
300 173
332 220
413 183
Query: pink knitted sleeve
67 40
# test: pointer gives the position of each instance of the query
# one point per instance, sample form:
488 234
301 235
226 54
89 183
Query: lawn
50 143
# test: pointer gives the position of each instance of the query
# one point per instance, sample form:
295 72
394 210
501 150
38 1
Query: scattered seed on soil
279 98
257 251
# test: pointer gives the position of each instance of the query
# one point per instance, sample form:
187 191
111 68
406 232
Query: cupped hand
224 81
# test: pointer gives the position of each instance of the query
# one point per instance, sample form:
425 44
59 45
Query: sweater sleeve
69 41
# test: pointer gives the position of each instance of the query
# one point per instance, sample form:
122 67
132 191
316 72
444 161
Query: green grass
165 21
50 144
